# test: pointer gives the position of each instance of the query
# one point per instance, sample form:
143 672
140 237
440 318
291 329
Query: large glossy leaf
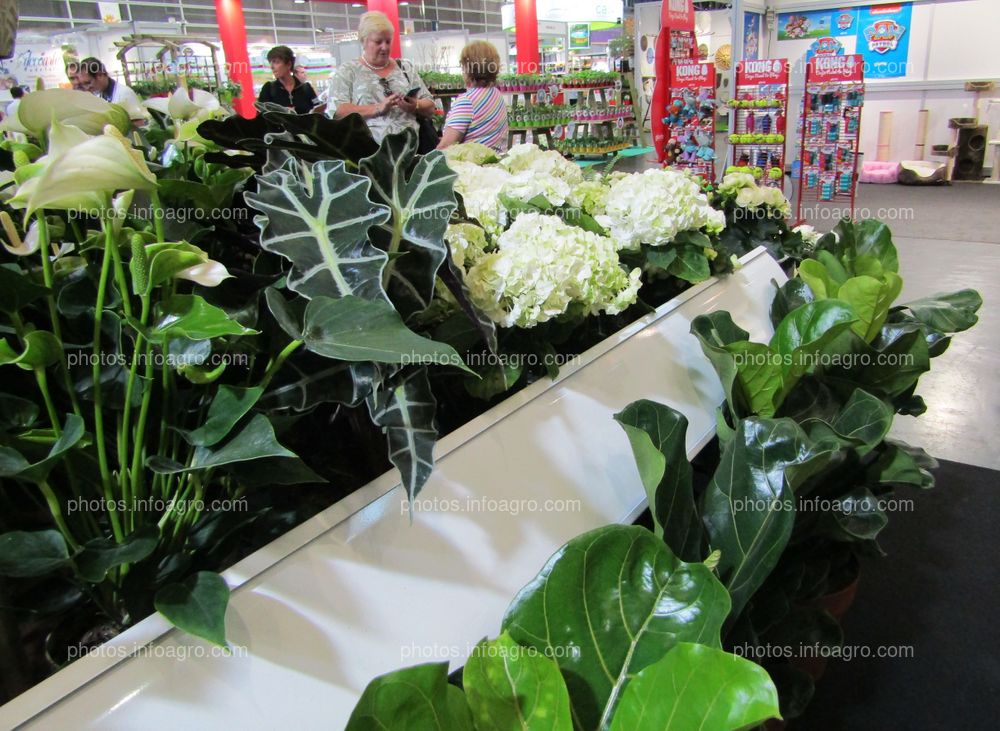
806 331
189 316
901 464
308 380
321 226
862 423
17 290
16 412
789 296
859 515
255 441
870 299
355 329
405 410
698 687
748 507
818 279
873 238
197 606
41 349
230 404
715 331
412 699
102 554
690 265
658 435
14 465
515 688
760 383
25 554
948 313
419 192
346 138
610 603
889 371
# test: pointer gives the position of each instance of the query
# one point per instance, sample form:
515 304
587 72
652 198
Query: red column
526 36
233 29
391 10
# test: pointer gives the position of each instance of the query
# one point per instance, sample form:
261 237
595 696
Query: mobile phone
413 92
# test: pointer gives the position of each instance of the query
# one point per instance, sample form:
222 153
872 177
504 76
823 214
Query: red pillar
526 36
391 10
233 29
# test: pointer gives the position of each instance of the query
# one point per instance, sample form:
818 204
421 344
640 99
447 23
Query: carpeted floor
937 593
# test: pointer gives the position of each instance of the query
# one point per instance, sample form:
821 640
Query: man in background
93 77
73 74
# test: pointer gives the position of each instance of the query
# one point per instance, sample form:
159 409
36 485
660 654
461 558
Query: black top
302 97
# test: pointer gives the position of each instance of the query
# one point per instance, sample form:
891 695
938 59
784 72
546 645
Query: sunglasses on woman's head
385 86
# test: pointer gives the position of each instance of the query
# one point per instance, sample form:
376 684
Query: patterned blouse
355 83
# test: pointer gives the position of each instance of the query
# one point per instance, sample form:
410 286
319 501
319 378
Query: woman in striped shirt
479 114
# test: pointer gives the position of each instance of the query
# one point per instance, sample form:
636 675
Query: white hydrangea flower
542 266
591 196
527 185
529 157
472 152
654 206
734 182
467 243
750 195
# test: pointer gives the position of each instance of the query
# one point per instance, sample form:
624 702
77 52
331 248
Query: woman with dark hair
286 90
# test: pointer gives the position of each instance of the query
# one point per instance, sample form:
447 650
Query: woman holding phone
388 96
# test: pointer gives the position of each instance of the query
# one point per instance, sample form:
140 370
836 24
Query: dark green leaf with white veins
405 410
515 688
610 603
419 191
322 228
412 699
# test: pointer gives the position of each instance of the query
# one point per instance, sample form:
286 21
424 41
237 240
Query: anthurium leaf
748 507
286 314
14 465
103 554
948 313
870 299
514 688
230 404
41 349
17 290
167 260
16 412
80 109
759 378
412 699
690 265
322 228
610 603
405 409
255 441
32 553
355 329
189 316
790 296
715 331
698 687
419 192
197 605
873 238
658 435
805 332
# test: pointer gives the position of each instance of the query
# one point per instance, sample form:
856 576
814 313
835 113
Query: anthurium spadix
77 170
185 104
84 111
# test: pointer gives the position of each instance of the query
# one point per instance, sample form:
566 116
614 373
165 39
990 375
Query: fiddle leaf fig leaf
610 603
321 226
948 313
412 699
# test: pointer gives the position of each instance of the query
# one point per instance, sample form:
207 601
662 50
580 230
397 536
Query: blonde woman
389 97
479 114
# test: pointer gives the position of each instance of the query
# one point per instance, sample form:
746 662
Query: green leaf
405 411
870 299
24 554
864 421
698 687
412 699
308 380
873 238
748 508
17 290
658 435
255 441
41 349
759 382
231 403
454 280
948 313
514 688
805 332
858 515
610 603
167 260
494 380
16 412
888 372
347 138
369 330
901 464
660 257
189 316
790 296
690 265
287 314
103 554
419 192
197 606
715 331
818 279
13 464
321 226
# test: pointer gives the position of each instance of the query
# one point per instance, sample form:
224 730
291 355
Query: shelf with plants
525 83
584 80
538 116
440 83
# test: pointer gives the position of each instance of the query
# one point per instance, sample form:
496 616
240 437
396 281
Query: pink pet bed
879 172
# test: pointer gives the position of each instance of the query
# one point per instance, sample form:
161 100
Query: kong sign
765 71
836 68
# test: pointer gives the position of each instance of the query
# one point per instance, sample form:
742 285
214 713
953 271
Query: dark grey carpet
937 591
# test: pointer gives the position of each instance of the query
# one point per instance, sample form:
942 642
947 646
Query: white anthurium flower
208 274
17 246
120 205
182 105
99 165
78 108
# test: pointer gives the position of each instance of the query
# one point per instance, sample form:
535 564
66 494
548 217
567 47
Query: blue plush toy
704 140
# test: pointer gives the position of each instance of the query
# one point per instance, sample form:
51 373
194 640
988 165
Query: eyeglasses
385 86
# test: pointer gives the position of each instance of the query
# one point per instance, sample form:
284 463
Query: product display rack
524 104
154 59
830 131
675 43
689 122
602 125
759 120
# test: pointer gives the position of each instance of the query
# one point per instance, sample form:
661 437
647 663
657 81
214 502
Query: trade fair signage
751 35
837 69
817 24
579 35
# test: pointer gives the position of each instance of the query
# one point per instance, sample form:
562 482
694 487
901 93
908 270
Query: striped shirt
480 114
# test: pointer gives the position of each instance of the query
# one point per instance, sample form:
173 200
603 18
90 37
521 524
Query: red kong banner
692 73
674 13
836 68
764 71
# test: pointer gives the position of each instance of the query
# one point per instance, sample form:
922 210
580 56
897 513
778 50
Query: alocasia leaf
404 409
698 687
322 226
608 604
412 699
419 193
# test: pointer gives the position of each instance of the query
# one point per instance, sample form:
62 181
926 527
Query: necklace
372 66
